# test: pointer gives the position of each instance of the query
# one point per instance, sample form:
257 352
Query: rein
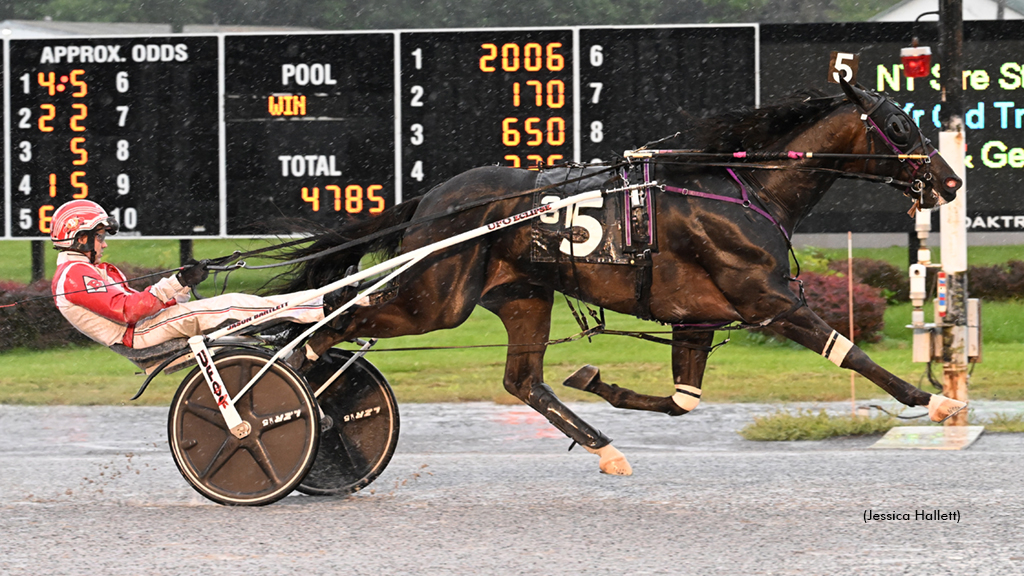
391 229
912 188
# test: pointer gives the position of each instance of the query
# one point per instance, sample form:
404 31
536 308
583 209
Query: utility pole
953 216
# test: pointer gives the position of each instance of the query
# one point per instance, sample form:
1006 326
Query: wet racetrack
482 489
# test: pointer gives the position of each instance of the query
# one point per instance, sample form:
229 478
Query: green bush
999 282
35 322
893 282
1003 422
806 425
828 297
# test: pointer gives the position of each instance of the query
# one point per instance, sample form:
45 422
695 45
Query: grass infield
808 425
748 369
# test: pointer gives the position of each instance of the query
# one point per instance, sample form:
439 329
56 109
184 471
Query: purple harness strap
648 204
892 145
744 201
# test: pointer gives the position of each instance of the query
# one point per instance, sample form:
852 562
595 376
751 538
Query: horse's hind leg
806 328
526 313
689 358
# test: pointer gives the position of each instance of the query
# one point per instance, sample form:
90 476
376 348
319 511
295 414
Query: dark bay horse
716 262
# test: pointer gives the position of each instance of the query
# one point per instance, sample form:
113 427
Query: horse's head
929 181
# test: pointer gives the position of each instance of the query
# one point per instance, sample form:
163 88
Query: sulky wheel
360 426
272 459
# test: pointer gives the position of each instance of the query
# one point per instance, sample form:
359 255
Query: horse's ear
855 95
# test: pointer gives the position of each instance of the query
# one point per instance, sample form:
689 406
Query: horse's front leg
689 358
526 313
806 328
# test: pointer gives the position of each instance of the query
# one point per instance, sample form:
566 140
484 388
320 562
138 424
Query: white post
849 288
953 217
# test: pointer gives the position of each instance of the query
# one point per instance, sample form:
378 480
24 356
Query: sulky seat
149 358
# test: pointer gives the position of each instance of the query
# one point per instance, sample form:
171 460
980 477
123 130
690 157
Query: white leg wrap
686 397
836 348
310 355
940 408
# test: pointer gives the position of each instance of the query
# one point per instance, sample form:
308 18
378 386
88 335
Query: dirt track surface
481 489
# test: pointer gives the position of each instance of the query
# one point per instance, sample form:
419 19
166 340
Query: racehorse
718 262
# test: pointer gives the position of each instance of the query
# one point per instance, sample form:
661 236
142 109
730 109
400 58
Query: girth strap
644 281
743 201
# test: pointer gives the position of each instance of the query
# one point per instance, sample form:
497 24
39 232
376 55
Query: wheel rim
363 431
269 462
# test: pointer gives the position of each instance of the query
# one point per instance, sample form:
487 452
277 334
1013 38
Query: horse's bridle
898 133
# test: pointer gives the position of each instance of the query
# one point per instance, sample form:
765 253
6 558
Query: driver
95 298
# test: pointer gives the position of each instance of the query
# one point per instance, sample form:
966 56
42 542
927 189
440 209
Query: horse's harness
895 130
899 135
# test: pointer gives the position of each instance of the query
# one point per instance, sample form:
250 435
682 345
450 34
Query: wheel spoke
219 459
247 374
211 415
345 449
259 453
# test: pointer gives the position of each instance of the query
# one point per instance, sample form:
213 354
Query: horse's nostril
952 183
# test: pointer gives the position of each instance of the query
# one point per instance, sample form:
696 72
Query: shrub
828 297
36 323
813 259
893 282
1004 422
999 282
10 285
806 425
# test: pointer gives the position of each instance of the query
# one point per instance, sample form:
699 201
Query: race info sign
222 135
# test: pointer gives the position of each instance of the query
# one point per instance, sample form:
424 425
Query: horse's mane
756 128
321 271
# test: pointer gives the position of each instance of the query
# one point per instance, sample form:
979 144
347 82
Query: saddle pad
596 235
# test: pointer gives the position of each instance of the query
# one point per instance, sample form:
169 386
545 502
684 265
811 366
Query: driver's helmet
75 217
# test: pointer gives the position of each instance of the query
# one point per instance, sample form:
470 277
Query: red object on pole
917 61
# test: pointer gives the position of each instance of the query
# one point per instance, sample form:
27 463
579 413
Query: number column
129 123
477 98
636 84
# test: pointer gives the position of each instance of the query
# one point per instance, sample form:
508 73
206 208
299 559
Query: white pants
201 316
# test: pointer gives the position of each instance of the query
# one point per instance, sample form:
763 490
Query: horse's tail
318 272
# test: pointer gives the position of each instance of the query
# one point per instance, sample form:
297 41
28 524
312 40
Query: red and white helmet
76 217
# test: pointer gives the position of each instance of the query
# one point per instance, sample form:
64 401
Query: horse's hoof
941 408
584 378
612 461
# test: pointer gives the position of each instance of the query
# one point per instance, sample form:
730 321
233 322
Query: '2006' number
573 219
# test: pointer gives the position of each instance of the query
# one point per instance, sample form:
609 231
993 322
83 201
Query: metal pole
185 256
953 216
849 289
38 260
